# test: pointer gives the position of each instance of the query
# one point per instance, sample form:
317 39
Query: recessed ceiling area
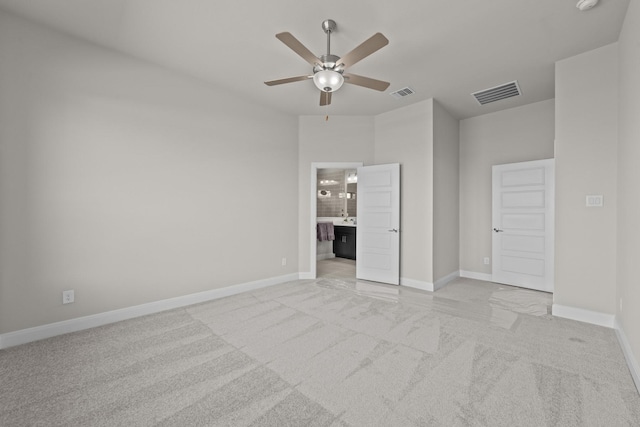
445 50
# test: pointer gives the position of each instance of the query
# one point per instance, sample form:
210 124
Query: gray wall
405 136
446 194
131 184
586 144
628 245
509 136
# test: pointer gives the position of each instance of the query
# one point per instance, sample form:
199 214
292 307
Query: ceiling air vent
402 93
497 93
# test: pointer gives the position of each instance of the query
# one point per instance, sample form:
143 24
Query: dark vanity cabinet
345 244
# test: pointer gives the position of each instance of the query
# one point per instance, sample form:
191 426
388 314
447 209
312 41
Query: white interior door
523 224
378 231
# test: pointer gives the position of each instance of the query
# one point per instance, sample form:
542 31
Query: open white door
378 231
523 224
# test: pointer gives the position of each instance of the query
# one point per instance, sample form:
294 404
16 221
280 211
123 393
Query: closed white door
378 231
523 224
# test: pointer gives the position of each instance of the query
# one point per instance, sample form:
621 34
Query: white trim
477 276
314 209
80 323
634 368
417 284
306 275
582 315
441 282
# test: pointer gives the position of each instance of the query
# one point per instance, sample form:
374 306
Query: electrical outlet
486 260
284 262
68 297
620 305
595 200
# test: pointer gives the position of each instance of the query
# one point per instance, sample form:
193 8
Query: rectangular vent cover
402 93
507 90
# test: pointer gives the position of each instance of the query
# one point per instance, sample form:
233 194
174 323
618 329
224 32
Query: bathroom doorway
334 199
336 268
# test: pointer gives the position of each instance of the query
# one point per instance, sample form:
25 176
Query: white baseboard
78 324
478 276
417 284
634 368
441 282
306 276
582 315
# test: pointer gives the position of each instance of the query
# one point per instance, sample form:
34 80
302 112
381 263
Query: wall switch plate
595 200
284 262
486 260
68 297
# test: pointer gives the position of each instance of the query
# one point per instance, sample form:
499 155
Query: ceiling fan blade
366 48
367 82
299 48
325 98
287 80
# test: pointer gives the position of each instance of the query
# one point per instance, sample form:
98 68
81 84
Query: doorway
377 233
322 263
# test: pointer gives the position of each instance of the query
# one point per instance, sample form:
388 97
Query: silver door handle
393 230
498 231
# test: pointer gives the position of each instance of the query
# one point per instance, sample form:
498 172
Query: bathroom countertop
337 221
344 224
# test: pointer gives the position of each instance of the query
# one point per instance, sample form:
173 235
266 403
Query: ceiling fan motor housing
329 62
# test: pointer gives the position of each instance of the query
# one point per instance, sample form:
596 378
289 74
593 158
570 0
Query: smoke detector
586 4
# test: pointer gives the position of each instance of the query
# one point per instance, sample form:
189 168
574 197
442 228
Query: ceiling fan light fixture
328 80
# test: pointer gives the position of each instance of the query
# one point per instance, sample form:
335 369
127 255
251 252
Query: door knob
498 231
393 230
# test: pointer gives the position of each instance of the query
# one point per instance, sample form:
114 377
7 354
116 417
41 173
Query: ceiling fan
328 70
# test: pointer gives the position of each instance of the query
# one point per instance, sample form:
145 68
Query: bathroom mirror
337 192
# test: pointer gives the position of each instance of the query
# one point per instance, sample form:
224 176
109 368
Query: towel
330 231
324 231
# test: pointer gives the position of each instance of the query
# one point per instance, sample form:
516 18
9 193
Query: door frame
313 214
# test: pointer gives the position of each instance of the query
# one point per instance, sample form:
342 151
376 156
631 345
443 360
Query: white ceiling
445 49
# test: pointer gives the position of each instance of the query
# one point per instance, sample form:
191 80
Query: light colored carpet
329 352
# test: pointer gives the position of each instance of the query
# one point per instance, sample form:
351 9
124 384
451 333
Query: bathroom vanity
344 246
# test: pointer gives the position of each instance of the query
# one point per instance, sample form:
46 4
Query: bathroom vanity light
328 182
